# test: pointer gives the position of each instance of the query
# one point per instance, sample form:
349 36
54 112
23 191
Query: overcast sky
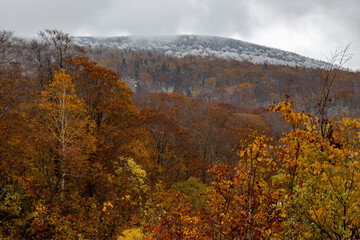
313 28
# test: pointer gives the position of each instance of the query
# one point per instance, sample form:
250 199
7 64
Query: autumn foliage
84 157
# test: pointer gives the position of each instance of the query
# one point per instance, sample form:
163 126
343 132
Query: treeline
83 157
238 83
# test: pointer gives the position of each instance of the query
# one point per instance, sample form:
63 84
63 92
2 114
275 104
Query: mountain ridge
205 46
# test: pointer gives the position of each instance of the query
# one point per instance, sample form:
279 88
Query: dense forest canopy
105 143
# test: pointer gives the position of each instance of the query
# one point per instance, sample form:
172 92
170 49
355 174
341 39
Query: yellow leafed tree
320 177
64 124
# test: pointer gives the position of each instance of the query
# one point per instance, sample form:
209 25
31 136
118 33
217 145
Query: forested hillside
204 46
239 83
106 143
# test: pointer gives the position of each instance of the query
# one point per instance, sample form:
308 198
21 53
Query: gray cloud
27 18
161 17
313 28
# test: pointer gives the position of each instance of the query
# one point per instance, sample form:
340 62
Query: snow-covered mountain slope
207 46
